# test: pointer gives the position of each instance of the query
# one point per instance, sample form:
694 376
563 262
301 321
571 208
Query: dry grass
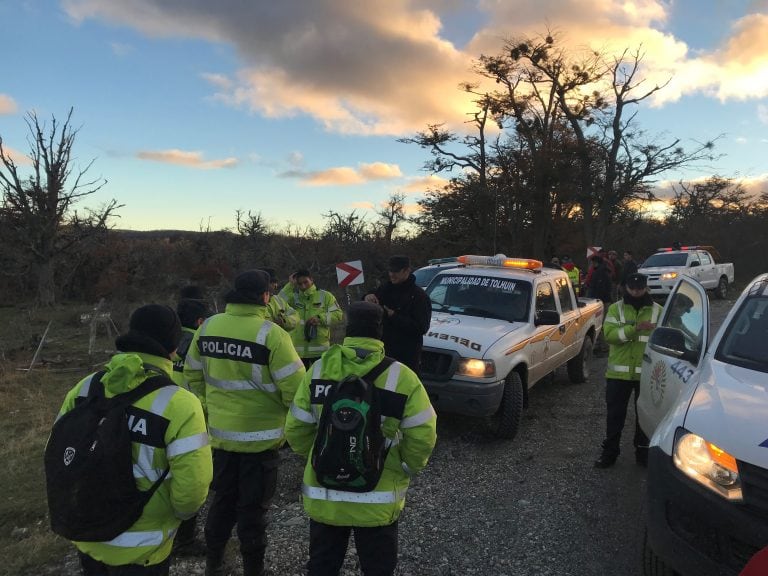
29 402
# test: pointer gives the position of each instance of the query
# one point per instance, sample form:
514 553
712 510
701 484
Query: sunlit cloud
422 185
386 67
7 105
18 157
362 205
346 175
188 159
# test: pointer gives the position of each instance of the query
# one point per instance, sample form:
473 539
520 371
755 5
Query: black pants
243 485
617 394
376 548
92 567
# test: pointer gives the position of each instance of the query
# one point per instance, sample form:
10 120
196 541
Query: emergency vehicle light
672 249
501 261
434 261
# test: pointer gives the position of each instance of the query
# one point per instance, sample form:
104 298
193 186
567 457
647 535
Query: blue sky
194 109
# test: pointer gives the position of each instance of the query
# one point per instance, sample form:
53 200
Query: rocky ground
533 506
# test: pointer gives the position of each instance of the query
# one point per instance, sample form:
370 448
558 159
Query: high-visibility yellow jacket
627 343
317 303
245 371
184 449
409 425
281 313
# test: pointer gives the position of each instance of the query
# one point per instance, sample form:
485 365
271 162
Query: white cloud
7 104
762 113
185 158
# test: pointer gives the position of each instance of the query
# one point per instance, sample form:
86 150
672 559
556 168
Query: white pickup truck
668 264
499 325
704 404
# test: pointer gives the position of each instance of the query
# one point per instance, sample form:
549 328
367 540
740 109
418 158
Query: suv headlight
669 276
707 464
476 368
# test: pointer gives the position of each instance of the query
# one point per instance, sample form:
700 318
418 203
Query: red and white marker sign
593 251
350 273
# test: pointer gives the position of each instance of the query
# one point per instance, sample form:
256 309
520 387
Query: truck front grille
436 365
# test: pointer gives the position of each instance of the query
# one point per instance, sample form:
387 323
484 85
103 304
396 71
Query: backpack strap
378 370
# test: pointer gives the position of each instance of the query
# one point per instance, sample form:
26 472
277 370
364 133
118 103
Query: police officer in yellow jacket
278 309
246 370
173 423
628 323
409 425
317 310
192 312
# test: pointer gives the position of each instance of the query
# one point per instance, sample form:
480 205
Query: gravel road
531 506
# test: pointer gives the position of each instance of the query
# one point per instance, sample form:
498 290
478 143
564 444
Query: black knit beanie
364 319
153 329
250 287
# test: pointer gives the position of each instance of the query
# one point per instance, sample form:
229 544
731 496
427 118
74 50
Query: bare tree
39 208
391 215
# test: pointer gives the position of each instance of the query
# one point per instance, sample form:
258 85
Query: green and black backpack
350 448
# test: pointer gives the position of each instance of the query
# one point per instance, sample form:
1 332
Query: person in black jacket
408 313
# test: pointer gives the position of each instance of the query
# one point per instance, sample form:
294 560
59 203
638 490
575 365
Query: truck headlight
669 276
707 464
476 368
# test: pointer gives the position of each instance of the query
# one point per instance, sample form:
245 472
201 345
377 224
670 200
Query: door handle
562 328
646 358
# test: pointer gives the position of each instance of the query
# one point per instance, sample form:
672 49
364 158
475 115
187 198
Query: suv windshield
745 342
483 296
666 259
424 275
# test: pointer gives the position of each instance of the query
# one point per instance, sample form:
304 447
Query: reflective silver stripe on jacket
317 367
286 371
274 434
257 370
193 363
315 348
617 368
302 415
240 384
643 339
622 335
86 387
320 493
144 467
417 419
186 445
136 539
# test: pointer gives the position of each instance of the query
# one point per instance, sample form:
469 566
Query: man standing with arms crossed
246 371
407 313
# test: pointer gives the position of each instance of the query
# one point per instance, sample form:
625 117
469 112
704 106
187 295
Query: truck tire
652 564
505 423
721 292
578 366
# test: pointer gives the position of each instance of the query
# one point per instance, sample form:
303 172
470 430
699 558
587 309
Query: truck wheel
721 292
506 421
578 366
652 564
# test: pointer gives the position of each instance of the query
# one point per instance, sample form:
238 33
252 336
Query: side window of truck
704 259
564 295
545 298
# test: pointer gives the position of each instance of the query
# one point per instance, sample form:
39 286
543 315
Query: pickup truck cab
425 274
499 325
665 266
704 404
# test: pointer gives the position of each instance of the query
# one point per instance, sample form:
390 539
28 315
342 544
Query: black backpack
92 494
349 449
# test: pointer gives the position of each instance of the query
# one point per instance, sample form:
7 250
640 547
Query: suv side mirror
694 263
671 342
546 318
